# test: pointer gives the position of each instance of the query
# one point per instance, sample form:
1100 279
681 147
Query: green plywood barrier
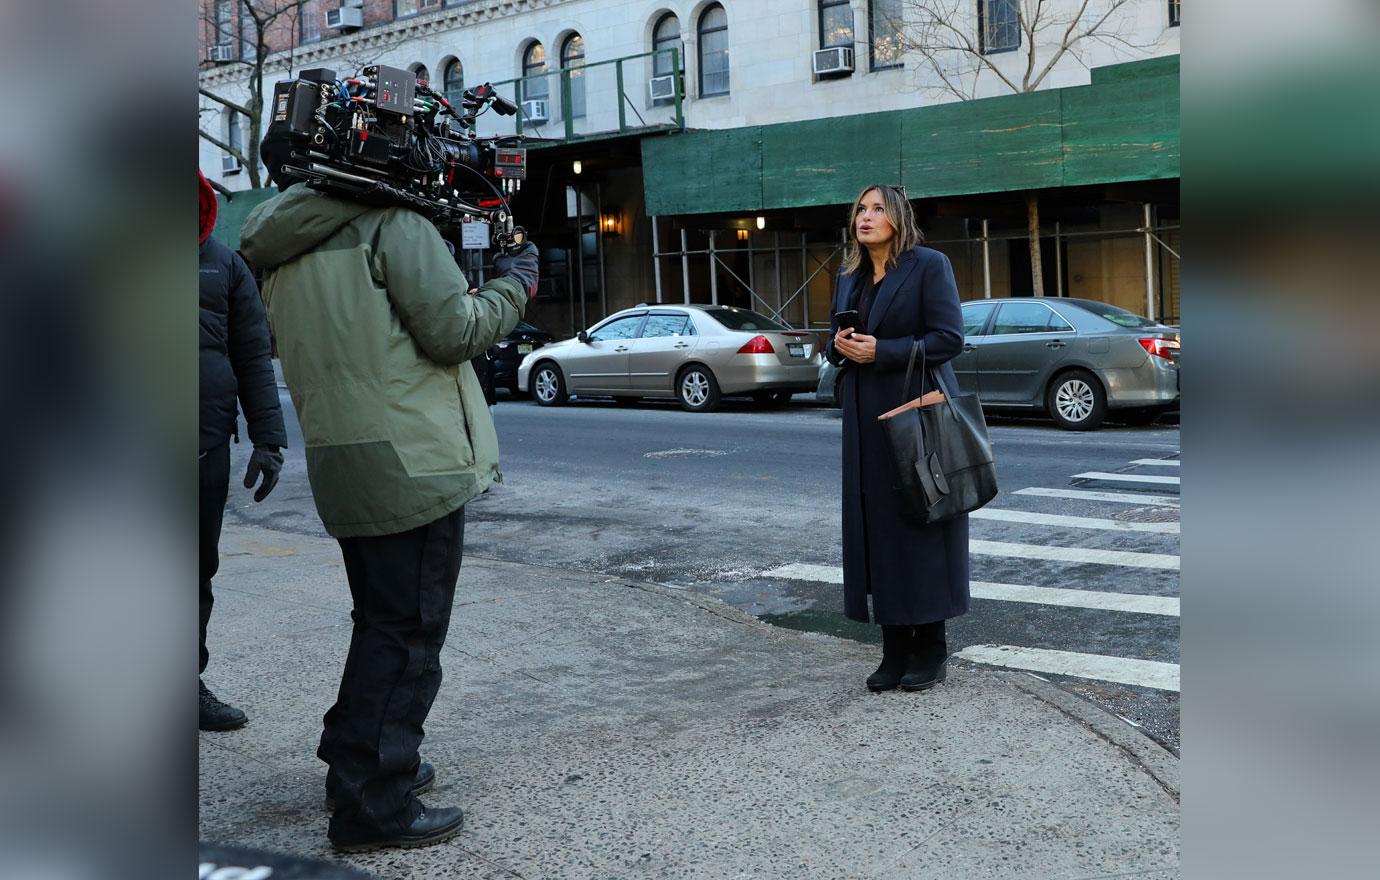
230 215
1124 126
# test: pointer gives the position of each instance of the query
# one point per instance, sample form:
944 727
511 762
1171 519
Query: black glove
268 462
520 266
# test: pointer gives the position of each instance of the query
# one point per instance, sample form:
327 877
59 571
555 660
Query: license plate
524 349
798 349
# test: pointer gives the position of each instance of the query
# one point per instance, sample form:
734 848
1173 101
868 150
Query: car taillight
1165 348
757 345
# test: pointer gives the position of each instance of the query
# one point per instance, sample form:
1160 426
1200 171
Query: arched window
420 71
666 35
453 81
713 33
835 24
572 59
533 65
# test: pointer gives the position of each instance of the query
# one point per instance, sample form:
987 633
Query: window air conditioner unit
222 53
662 88
831 61
535 111
229 165
345 18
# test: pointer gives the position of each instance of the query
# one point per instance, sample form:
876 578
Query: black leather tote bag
941 451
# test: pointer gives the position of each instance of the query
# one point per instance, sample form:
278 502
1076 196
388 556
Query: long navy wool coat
914 573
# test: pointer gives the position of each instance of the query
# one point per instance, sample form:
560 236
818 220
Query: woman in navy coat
907 577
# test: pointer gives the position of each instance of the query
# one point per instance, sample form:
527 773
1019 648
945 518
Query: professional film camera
387 138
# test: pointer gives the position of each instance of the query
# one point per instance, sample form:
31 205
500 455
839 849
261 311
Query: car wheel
697 389
548 385
1076 401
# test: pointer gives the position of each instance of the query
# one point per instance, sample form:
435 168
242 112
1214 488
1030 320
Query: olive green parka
375 329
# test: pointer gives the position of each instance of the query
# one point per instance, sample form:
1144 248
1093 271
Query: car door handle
968 346
621 348
1055 343
681 345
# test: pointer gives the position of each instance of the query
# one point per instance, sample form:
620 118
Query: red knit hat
208 207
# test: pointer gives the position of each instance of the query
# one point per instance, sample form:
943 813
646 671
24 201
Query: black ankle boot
895 652
929 652
215 715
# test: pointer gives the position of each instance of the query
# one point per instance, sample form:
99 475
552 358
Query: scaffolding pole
986 263
713 271
685 264
656 259
1149 265
1058 261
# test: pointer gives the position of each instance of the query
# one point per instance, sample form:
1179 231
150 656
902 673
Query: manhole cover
1149 515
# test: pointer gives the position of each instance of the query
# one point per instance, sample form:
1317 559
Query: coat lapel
890 284
845 297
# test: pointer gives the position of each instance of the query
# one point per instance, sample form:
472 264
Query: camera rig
387 138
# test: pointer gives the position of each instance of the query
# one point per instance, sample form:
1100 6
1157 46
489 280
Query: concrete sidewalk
593 727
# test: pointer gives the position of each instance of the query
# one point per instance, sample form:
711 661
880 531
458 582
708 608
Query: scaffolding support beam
685 263
713 271
1149 265
986 263
656 259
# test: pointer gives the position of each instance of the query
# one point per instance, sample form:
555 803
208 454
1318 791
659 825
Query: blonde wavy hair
899 214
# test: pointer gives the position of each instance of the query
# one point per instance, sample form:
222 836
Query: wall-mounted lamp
611 222
761 222
742 235
577 166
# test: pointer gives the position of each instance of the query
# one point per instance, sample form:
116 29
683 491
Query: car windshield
1117 316
525 327
744 319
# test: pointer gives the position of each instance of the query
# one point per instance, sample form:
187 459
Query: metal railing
597 100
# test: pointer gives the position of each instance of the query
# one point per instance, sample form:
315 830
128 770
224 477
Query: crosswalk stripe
1158 462
1115 497
1163 605
1127 478
1075 554
1076 522
1123 670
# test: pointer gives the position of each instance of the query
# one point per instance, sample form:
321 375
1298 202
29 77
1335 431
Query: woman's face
870 225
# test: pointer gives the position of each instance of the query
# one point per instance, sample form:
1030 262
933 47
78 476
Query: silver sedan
1075 359
694 353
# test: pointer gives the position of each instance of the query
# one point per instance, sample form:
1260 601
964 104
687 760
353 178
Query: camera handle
511 241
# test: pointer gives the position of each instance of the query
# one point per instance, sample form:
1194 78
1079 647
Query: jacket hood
206 200
292 223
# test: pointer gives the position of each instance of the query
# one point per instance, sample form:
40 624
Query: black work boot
434 825
215 715
895 652
929 653
426 778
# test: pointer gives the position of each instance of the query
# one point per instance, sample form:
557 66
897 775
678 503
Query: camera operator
375 327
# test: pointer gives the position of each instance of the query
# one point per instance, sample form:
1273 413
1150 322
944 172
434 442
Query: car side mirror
583 336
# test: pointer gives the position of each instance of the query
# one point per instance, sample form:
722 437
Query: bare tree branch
226 102
221 188
215 141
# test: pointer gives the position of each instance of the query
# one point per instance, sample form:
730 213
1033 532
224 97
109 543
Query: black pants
215 486
403 587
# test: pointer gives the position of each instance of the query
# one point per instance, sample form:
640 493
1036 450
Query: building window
884 33
310 29
835 24
231 164
572 59
404 8
999 26
1173 13
453 81
224 23
534 65
419 70
666 35
713 33
249 44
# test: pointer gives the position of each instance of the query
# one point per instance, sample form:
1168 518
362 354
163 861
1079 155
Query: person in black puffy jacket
236 370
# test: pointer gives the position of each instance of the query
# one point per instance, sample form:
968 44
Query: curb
1157 762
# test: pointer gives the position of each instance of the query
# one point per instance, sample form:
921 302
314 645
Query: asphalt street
1075 565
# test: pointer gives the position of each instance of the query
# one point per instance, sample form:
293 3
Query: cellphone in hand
847 319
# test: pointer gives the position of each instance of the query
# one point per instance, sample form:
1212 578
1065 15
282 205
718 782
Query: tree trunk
1032 213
